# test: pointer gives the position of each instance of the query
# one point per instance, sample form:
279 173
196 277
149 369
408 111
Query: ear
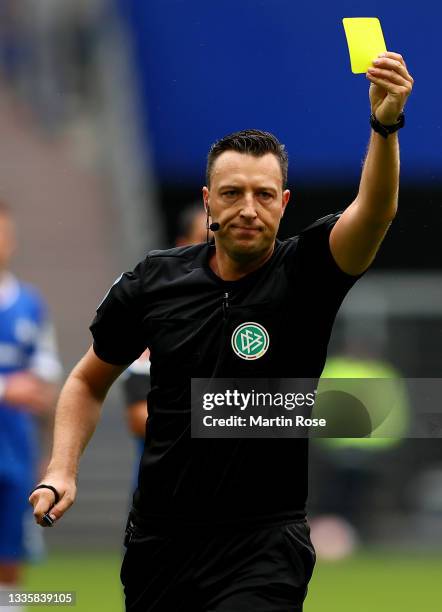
285 201
205 192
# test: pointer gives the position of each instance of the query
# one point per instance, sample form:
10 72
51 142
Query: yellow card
365 41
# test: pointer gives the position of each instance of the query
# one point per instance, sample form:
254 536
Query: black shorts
265 569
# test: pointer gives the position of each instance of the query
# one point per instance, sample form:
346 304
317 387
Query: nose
248 210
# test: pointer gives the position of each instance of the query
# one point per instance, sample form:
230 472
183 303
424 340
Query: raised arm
361 228
77 414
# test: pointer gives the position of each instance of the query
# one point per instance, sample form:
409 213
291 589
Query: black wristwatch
385 130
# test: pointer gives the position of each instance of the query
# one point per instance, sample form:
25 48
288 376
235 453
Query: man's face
247 200
7 241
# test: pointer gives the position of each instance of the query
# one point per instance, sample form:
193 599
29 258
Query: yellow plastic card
365 41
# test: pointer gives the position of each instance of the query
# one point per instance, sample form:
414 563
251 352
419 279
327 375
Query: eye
265 195
230 193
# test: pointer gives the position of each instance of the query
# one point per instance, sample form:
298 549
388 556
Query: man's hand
391 84
28 392
77 414
43 499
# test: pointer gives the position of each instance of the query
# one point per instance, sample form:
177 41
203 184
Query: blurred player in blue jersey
136 380
29 372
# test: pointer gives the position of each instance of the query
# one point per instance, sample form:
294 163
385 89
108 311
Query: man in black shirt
136 380
220 524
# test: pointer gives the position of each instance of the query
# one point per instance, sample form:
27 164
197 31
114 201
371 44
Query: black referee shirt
174 304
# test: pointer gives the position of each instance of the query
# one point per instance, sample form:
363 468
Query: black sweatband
53 489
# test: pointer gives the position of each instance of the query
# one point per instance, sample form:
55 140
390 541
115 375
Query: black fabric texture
173 304
254 570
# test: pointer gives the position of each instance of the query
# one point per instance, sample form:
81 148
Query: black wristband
386 130
53 489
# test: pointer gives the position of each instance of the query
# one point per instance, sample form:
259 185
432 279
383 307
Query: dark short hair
251 142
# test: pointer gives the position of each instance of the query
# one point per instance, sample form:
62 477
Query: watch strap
386 130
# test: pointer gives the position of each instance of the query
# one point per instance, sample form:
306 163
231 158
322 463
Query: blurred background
107 111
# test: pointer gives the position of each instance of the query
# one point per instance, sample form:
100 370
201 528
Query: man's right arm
77 414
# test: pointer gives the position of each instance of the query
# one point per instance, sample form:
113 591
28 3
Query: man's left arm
359 231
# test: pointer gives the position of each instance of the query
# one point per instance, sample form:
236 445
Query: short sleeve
117 328
44 360
316 257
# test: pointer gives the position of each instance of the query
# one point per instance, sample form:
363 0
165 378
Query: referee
136 379
219 525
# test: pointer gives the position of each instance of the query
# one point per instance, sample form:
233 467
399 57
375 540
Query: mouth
246 230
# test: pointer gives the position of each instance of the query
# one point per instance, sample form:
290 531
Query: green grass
366 583
94 578
378 583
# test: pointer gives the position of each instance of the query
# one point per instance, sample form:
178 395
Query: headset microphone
214 227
